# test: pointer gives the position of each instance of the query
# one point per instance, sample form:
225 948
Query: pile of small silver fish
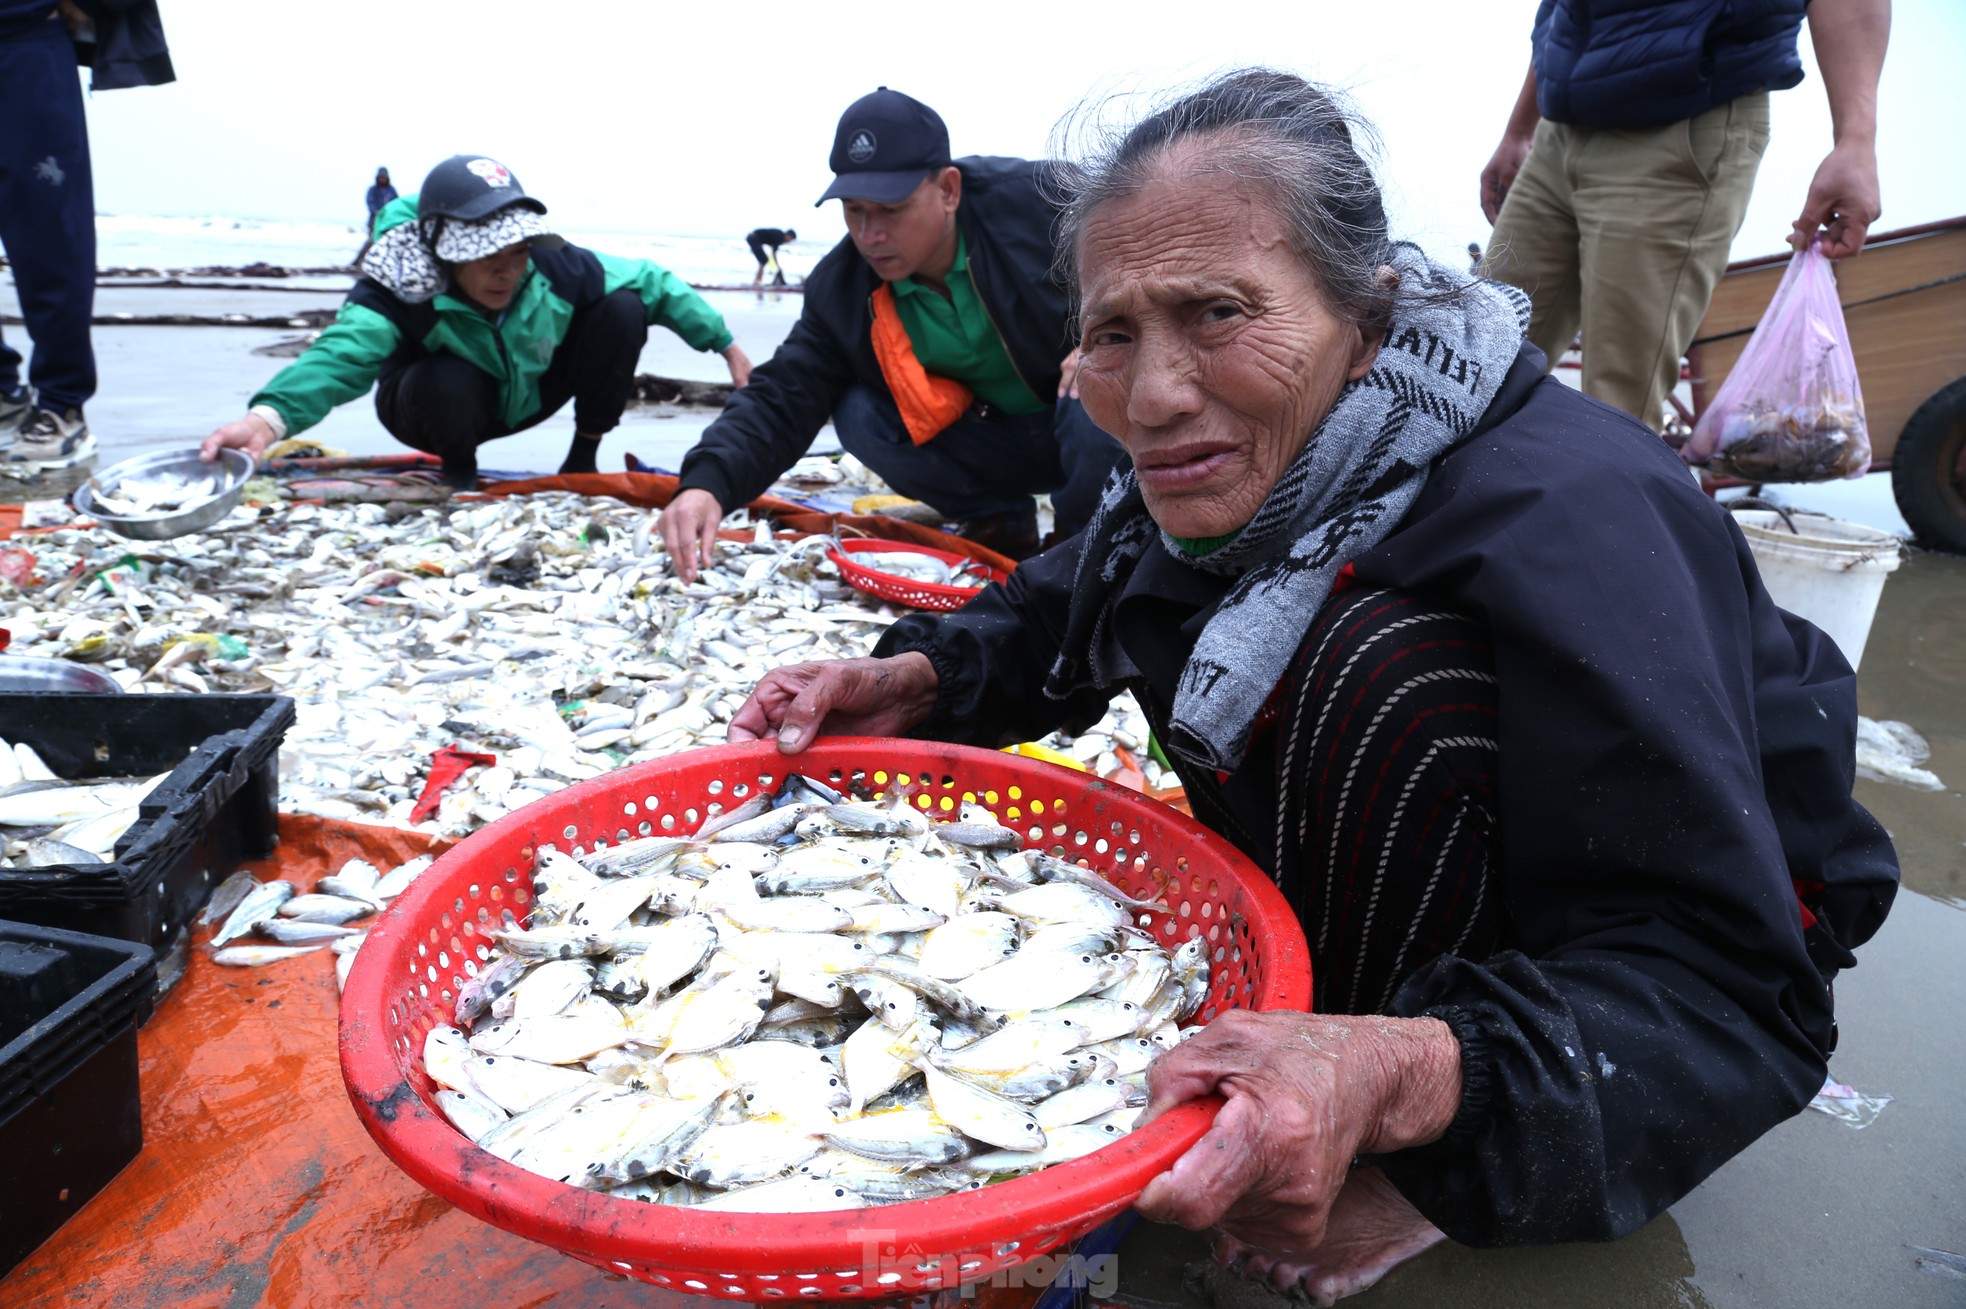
48 822
812 1003
157 494
547 630
1124 727
287 923
916 566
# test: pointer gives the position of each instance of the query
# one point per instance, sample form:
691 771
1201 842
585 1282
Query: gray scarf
1451 341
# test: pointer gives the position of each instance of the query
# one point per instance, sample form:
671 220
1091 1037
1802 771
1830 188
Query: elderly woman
1469 665
474 320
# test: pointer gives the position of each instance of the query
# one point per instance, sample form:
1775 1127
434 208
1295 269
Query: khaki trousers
1624 235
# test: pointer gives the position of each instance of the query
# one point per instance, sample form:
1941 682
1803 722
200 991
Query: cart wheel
1928 470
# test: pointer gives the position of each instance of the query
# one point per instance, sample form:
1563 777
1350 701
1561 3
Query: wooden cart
1904 302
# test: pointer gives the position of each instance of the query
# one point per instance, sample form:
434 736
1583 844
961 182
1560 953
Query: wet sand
1814 1214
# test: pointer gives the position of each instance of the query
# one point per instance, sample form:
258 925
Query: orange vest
927 403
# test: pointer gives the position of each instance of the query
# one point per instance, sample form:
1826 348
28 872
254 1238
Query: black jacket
129 48
1006 222
1676 757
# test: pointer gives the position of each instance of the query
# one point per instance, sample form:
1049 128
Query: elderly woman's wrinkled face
1209 350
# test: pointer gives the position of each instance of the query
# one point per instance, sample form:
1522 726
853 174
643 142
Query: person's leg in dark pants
758 252
48 228
1387 810
1090 457
980 471
442 406
595 366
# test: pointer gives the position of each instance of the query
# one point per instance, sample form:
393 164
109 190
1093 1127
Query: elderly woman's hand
1305 1093
843 697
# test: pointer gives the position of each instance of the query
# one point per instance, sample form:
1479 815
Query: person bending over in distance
473 320
764 243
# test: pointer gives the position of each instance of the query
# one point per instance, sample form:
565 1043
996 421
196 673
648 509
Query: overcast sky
703 119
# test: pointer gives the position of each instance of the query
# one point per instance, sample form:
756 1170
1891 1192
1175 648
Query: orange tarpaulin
257 1184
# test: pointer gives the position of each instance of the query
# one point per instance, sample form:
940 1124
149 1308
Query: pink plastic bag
1790 411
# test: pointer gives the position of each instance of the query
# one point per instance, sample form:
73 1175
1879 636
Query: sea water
148 241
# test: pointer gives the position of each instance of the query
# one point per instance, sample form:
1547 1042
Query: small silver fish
325 908
788 1195
397 880
755 1150
554 942
226 897
1062 1145
977 1113
913 1136
258 904
979 836
291 931
1059 870
47 852
475 996
252 956
349 889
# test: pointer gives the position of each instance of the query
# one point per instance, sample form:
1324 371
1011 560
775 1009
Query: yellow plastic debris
301 447
1032 750
880 504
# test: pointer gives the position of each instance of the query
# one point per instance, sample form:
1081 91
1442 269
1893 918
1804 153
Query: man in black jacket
935 337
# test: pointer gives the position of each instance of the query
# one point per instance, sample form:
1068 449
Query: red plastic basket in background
405 982
865 573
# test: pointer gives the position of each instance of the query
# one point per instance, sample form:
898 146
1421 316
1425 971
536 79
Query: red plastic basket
405 980
865 574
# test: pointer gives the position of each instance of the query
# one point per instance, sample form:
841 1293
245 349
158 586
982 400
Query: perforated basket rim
906 590
730 1249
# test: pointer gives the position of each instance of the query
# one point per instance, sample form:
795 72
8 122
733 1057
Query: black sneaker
52 440
460 471
15 410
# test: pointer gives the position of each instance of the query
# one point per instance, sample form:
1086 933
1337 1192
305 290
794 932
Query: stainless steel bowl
37 673
228 475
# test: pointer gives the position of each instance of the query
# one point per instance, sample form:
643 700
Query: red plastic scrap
446 766
17 566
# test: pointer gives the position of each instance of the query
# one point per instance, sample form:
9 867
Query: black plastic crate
70 1114
219 806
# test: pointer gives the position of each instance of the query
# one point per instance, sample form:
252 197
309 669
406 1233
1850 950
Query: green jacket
377 332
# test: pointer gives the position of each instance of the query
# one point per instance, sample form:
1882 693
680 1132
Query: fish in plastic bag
1791 410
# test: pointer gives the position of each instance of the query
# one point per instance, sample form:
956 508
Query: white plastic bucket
1825 570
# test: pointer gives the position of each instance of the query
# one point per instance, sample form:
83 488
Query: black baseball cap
886 144
471 187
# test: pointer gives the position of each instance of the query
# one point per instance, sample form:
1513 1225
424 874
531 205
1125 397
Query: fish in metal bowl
171 493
